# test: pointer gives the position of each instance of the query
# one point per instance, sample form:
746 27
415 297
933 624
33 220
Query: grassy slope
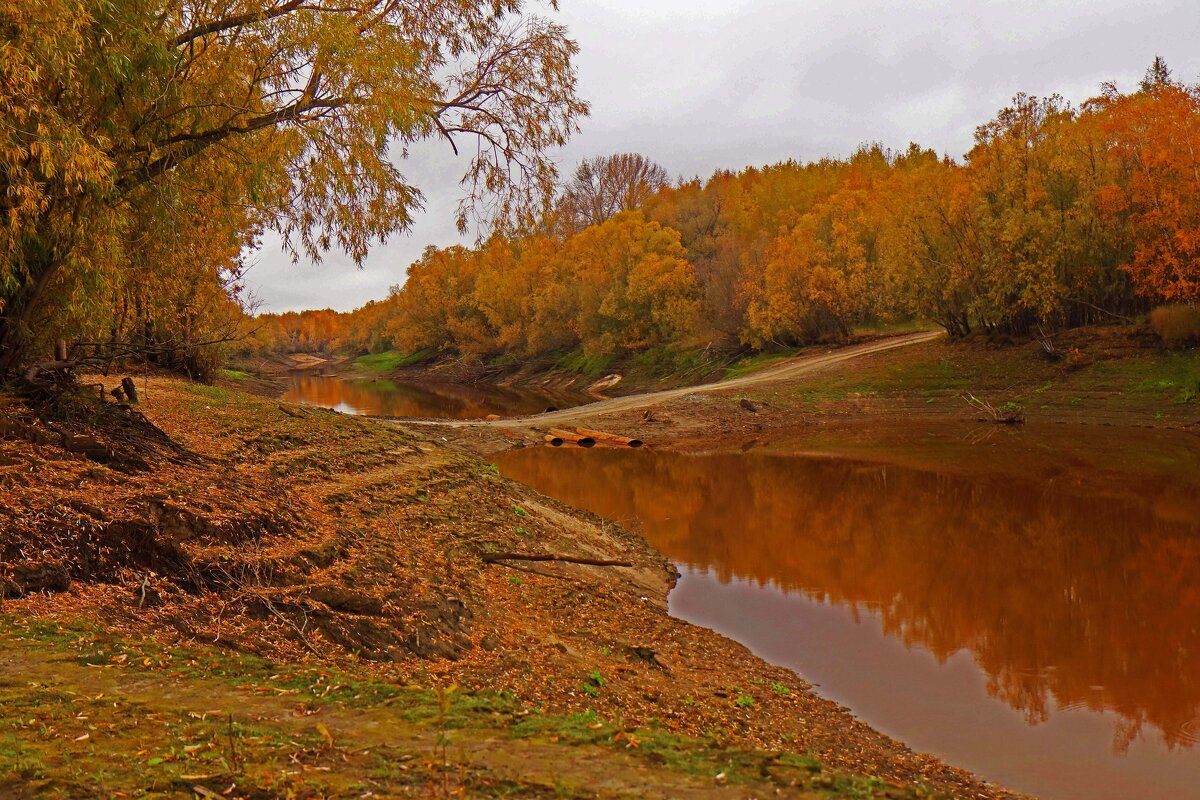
1110 380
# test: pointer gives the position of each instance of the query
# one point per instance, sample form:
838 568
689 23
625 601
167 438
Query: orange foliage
1057 217
1156 136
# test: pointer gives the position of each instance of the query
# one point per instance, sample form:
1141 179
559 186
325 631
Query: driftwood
1012 415
35 370
601 436
567 436
492 558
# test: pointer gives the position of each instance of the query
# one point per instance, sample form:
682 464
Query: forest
139 173
1059 216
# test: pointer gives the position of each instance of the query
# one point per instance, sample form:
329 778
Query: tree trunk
21 306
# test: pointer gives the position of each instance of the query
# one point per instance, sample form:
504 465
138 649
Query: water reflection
1076 596
385 398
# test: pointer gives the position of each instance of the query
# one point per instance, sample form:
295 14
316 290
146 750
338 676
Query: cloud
700 86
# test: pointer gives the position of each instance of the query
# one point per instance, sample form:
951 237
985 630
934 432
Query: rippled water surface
1025 604
385 398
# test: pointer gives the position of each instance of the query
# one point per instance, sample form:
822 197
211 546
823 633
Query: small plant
744 701
594 682
780 689
1009 413
521 530
444 699
520 512
514 580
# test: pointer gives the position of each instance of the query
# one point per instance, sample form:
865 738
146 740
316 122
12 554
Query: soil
306 536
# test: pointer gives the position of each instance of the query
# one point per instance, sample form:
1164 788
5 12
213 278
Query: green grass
391 360
591 366
210 392
236 375
754 363
892 328
1169 376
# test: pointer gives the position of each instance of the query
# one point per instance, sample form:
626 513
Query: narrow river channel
379 397
1024 604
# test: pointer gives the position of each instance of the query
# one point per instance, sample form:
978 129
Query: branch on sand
493 558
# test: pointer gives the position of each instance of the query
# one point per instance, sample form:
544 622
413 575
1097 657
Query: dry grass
1178 325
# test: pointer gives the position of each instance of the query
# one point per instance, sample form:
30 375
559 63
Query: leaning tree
176 131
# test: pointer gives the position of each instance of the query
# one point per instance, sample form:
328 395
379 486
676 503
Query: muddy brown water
1024 604
386 398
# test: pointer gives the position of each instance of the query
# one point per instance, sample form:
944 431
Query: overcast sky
700 86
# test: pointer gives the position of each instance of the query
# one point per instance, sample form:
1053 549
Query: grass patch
236 375
216 393
878 328
589 366
1171 376
754 363
390 360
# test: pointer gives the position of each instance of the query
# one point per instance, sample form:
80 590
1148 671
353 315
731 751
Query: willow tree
128 121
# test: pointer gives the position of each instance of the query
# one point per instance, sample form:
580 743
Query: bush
1177 325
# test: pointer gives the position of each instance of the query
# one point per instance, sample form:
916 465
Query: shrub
1177 325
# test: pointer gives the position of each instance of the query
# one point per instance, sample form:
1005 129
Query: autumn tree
604 186
1155 134
930 252
817 277
110 105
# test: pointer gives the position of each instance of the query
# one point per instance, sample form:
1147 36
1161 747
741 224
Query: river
380 397
1023 603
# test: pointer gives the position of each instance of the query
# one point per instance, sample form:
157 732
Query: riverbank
321 542
1108 376
569 373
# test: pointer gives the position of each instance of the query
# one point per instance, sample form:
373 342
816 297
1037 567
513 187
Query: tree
605 186
629 286
109 104
1155 134
816 277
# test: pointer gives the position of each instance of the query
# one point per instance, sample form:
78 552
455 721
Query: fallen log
492 558
601 436
35 370
567 436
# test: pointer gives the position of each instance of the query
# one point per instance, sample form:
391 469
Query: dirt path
789 369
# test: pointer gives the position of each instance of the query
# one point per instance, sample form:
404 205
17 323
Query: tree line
1058 216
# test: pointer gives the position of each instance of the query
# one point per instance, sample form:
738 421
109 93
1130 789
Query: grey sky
700 86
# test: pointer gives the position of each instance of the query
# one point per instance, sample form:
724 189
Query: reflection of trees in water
1087 600
447 400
